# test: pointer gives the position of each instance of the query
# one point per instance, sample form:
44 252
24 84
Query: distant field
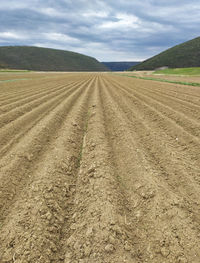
183 76
179 71
7 76
187 80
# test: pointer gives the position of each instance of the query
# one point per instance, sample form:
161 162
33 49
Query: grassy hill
180 56
46 59
119 66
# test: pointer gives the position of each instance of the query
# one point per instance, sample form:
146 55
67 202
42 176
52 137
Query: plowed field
98 168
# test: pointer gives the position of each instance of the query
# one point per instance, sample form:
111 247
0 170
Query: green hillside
180 56
46 59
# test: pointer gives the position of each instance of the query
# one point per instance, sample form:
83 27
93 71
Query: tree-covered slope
184 55
46 59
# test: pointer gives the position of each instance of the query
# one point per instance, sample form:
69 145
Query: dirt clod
109 248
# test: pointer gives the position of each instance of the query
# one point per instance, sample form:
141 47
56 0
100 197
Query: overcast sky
112 30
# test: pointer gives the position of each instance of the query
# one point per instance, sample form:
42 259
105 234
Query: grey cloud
108 30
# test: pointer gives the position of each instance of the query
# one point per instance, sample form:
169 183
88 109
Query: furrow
176 97
164 123
19 93
22 107
177 91
18 102
96 232
16 167
152 199
178 105
37 89
99 168
34 234
13 90
171 90
184 140
180 121
23 124
189 186
181 112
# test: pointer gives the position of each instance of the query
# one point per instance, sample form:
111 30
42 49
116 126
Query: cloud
11 35
62 38
123 21
108 30
93 14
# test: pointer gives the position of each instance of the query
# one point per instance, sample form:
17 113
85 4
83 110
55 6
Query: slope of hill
119 66
181 56
46 59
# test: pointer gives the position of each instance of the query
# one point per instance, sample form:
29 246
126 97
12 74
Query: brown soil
99 168
195 79
182 78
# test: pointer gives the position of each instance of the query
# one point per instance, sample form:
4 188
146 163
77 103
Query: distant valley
120 66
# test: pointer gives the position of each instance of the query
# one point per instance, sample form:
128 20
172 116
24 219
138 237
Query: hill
181 56
46 59
119 66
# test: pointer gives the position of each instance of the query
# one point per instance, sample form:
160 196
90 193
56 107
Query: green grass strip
14 71
195 71
194 84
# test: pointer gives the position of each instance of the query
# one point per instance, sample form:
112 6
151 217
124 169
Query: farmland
97 167
193 80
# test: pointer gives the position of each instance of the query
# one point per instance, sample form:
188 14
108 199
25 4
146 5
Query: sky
112 30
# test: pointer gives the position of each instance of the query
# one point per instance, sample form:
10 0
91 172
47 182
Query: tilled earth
98 168
149 74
